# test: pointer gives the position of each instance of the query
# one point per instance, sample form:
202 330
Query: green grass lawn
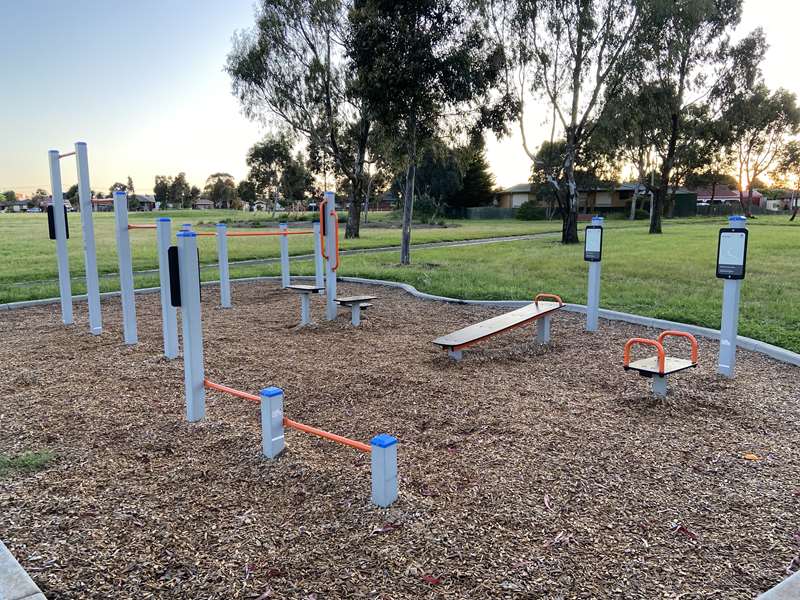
29 267
670 276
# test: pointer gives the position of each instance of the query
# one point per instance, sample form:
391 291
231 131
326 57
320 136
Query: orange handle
688 336
336 233
553 296
662 359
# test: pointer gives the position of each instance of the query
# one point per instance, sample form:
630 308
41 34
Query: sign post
592 253
731 263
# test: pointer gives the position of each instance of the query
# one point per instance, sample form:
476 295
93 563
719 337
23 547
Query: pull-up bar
142 226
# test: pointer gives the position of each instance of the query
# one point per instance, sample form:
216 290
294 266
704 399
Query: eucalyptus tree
424 65
685 44
292 70
574 53
762 122
789 168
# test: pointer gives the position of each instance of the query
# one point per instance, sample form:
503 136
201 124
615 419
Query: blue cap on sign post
597 221
737 221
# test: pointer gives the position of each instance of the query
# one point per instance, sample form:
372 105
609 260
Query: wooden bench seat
355 304
539 310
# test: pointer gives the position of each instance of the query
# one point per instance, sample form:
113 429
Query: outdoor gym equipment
659 366
382 448
57 217
356 304
305 292
163 237
538 310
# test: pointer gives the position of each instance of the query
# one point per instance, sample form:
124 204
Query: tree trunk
408 195
795 203
569 223
639 182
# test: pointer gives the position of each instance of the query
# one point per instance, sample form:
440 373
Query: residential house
724 194
202 204
515 196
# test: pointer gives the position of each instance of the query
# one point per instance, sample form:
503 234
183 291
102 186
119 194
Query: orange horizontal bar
141 226
288 422
229 390
327 435
205 233
261 233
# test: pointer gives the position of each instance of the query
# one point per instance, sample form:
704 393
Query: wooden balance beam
538 310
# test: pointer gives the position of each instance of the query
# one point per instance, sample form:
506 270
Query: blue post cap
383 440
120 193
221 225
283 224
597 220
737 221
164 219
186 234
271 392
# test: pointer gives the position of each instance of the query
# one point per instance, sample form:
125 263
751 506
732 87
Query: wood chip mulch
525 472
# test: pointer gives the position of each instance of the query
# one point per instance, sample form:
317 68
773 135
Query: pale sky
142 83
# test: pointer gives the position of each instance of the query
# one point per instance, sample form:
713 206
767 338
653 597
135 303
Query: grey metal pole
593 293
730 314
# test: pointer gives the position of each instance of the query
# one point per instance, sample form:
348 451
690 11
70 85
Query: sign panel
51 222
593 243
731 253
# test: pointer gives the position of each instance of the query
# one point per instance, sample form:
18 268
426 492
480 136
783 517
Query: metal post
285 278
330 249
125 268
659 386
355 315
64 283
593 294
169 314
730 314
272 438
186 227
191 318
89 250
543 330
319 268
222 260
305 308
384 469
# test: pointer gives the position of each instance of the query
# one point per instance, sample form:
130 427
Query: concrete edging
746 343
15 583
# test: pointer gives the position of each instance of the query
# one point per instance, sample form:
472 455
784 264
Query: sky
142 83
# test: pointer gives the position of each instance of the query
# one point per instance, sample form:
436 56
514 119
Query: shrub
530 212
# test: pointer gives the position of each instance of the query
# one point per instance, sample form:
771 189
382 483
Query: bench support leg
659 386
355 314
543 330
456 355
305 309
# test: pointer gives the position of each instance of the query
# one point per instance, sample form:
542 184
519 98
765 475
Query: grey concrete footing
15 583
788 589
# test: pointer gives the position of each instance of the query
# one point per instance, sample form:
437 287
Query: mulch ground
524 472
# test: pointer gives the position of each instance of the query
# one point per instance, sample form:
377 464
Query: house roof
520 188
721 193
